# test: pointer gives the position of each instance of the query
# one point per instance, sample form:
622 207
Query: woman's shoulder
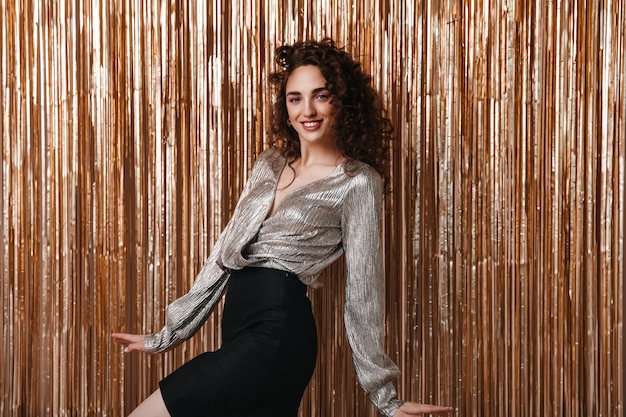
271 155
270 159
362 173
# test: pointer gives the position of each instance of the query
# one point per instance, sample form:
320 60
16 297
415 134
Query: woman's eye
322 97
293 99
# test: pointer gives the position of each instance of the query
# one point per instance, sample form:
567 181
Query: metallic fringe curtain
128 128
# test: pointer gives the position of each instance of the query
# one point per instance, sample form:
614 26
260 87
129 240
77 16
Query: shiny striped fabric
312 227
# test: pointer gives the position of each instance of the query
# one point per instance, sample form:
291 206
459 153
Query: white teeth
310 124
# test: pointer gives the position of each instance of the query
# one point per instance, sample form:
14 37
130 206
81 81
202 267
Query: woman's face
309 106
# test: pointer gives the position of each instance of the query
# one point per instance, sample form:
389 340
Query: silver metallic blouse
312 227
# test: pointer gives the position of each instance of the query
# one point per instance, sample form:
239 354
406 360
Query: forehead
305 78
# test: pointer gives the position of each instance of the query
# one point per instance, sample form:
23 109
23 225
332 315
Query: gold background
128 128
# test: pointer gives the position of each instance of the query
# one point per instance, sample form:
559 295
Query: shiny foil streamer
128 128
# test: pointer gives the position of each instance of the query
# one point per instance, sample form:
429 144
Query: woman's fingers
129 341
126 338
414 409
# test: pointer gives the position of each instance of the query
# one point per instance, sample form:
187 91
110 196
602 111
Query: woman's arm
364 314
185 315
365 290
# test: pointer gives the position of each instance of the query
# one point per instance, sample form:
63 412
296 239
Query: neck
326 155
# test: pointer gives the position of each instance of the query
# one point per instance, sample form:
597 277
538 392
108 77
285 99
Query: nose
309 108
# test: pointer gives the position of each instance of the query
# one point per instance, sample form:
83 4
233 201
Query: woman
314 196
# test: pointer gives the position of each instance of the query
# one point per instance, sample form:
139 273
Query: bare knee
153 406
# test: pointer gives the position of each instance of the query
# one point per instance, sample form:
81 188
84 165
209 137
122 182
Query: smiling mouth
312 124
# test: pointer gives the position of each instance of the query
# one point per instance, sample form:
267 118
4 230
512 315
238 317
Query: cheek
328 109
291 113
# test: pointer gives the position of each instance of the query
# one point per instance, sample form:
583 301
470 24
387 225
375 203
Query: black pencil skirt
267 358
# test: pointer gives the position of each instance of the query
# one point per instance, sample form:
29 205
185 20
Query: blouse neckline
298 190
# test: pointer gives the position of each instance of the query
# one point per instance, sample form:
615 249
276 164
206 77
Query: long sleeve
185 315
365 291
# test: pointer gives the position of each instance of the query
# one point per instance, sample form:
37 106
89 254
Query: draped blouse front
312 226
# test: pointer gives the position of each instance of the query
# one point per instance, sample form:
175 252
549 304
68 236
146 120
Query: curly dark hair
363 130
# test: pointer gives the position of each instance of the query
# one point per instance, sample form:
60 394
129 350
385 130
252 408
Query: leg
153 406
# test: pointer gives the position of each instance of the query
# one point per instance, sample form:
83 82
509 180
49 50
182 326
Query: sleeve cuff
385 399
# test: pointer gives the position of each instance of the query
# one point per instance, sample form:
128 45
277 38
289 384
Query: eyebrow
297 93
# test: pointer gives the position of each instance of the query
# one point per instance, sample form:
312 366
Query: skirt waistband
264 280
262 270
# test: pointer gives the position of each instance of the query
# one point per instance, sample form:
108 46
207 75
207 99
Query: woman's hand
413 409
130 341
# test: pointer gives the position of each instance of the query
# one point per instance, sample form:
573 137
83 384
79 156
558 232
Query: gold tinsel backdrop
128 128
